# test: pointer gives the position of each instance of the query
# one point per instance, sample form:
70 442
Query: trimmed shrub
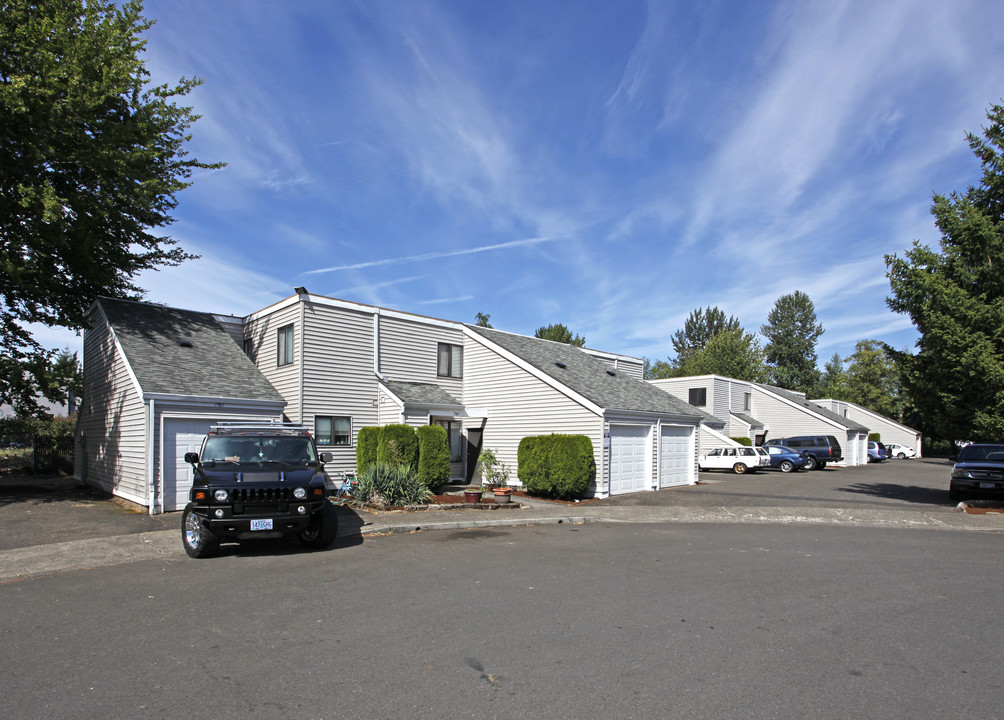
366 447
874 437
559 466
398 446
433 456
393 485
743 441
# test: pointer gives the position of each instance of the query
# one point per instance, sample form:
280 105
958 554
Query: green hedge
559 466
366 447
874 437
433 456
398 446
743 441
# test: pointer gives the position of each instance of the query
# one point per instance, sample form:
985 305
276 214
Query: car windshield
972 453
285 450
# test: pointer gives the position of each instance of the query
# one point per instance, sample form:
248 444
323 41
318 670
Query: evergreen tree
955 298
731 353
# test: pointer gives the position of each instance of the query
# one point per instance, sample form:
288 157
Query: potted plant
495 476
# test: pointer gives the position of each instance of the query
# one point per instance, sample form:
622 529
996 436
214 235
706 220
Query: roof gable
800 400
183 352
588 376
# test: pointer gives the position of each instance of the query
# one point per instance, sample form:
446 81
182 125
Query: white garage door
181 435
676 461
629 459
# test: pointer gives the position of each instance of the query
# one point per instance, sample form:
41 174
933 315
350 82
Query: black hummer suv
253 480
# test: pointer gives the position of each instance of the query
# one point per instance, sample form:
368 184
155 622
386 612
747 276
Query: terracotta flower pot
502 495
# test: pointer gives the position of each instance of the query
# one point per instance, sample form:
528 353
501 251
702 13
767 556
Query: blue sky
607 165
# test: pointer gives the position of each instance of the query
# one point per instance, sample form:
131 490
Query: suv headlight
960 473
300 493
221 495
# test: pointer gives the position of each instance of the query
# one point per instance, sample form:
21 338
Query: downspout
376 345
152 476
303 344
376 362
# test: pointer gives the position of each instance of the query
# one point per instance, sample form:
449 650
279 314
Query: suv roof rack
258 428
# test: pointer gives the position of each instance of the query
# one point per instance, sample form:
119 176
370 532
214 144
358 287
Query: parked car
764 456
737 459
819 449
900 451
785 459
876 452
978 470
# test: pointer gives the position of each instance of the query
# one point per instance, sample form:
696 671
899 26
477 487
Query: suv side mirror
326 457
192 458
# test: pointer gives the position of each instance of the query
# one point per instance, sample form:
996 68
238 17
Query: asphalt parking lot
920 484
60 510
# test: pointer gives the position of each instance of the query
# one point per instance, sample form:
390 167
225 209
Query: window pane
457 361
342 431
322 430
444 360
284 344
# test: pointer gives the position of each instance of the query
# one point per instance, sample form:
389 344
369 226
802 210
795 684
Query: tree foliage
833 381
872 379
791 332
482 320
731 353
698 329
955 298
91 157
559 333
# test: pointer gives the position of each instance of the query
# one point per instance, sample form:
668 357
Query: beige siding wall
338 378
113 421
519 404
409 351
262 331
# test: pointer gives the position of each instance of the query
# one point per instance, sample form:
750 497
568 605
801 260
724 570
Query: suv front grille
262 495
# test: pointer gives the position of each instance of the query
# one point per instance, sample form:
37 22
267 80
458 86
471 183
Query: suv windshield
972 453
286 450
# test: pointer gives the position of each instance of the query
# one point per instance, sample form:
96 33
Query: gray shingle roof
818 409
590 377
749 420
413 393
182 352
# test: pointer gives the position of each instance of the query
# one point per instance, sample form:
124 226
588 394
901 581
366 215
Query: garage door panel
180 436
675 456
629 459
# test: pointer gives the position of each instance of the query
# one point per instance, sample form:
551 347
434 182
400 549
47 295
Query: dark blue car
785 459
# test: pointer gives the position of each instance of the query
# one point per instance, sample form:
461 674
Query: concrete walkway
26 562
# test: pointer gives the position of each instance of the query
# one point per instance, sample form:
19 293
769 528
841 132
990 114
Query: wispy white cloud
423 257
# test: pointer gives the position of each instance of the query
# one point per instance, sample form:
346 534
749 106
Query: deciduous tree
792 332
91 157
559 333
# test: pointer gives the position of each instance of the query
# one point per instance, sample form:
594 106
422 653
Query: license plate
988 486
261 524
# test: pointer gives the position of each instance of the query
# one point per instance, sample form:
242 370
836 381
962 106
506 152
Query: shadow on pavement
907 493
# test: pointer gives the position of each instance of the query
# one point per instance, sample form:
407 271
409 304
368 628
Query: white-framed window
451 361
747 401
284 345
698 397
332 430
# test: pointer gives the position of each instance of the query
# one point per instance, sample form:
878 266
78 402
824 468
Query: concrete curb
22 563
